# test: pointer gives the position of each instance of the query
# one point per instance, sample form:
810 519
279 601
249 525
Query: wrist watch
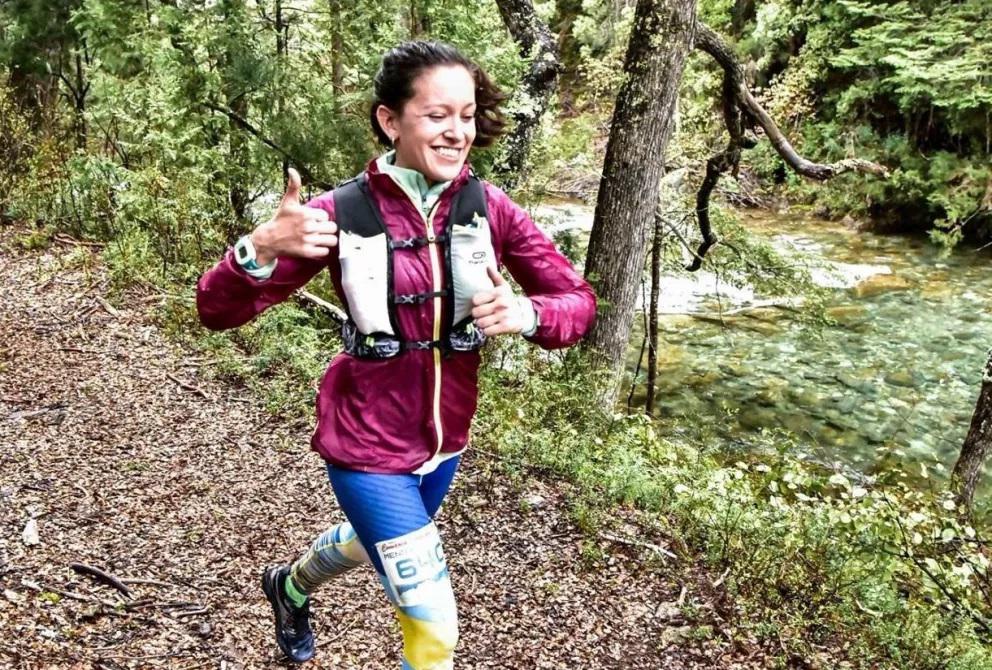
247 259
244 253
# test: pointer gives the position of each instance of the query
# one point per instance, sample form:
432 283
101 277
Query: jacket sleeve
564 301
228 297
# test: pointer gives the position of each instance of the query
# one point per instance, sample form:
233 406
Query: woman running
413 246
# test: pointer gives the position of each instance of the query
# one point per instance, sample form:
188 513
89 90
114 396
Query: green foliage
563 162
888 572
191 109
602 30
16 140
279 356
902 82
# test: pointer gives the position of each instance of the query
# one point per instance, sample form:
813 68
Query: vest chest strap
416 242
418 298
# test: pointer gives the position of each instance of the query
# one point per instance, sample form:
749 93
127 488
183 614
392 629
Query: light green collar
412 182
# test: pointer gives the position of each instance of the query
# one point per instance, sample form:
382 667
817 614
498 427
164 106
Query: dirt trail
127 460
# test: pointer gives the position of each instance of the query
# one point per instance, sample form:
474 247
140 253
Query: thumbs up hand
294 230
498 311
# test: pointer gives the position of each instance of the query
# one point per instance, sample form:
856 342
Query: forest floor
126 459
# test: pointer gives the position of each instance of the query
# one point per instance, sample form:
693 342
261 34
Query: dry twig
637 543
111 310
101 576
188 386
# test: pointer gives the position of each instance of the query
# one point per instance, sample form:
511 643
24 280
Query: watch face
241 254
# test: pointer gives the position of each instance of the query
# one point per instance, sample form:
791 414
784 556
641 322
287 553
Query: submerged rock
877 284
757 417
854 383
903 378
769 397
847 314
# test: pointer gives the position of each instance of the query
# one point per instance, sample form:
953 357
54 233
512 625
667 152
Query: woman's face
434 130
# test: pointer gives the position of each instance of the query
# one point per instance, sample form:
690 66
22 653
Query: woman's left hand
498 311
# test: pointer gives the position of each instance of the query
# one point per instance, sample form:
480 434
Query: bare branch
332 310
101 576
243 123
709 41
741 111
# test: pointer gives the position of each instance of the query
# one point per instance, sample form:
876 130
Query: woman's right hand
294 230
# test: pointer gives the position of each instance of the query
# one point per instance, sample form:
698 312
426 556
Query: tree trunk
282 48
233 14
534 39
743 12
642 124
337 51
239 158
977 444
81 89
566 12
420 23
652 333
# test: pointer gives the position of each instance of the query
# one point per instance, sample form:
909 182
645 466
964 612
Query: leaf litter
139 505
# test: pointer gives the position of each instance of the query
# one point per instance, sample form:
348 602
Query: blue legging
390 524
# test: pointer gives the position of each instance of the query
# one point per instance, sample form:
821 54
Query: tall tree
643 118
336 9
236 92
977 444
45 55
536 44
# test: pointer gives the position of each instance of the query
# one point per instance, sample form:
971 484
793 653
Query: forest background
164 128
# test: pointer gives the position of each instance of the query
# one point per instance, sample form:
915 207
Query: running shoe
293 632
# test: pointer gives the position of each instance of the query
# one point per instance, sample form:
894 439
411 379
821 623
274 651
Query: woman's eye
436 117
468 118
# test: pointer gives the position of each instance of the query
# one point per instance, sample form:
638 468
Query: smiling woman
413 246
436 127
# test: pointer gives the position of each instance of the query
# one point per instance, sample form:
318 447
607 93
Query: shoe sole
269 588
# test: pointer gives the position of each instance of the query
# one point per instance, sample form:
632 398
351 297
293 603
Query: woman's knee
428 645
415 575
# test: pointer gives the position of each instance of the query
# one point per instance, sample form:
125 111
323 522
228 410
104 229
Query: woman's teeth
447 152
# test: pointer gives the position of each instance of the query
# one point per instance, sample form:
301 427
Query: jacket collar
382 182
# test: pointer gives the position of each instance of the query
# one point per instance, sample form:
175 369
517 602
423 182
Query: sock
298 599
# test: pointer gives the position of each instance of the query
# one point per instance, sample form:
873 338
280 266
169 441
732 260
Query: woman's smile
436 127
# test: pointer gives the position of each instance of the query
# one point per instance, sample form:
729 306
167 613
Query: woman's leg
392 515
338 549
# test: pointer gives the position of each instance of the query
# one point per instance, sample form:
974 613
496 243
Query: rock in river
903 378
877 284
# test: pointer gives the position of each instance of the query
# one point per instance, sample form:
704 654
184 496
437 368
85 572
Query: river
892 383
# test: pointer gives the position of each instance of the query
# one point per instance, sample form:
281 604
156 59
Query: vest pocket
365 280
471 254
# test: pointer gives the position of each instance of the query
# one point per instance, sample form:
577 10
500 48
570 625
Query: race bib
415 567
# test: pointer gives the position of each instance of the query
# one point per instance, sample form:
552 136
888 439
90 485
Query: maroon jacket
393 415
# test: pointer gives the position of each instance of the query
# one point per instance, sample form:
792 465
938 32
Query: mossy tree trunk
643 119
236 94
336 8
536 43
974 451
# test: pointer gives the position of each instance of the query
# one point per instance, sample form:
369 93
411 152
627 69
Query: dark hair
401 65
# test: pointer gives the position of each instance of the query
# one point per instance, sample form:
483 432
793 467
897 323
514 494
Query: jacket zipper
435 273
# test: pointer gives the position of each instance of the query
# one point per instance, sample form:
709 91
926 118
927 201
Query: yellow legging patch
428 645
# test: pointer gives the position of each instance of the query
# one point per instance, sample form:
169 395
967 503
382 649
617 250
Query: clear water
895 381
894 384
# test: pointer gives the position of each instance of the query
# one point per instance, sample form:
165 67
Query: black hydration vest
366 252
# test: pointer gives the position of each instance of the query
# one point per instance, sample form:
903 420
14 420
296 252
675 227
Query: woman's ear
388 119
